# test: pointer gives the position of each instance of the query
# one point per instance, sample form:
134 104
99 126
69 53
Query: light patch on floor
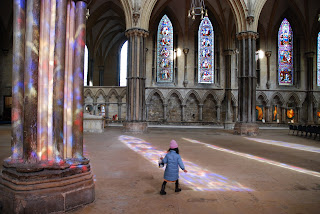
197 178
286 144
275 163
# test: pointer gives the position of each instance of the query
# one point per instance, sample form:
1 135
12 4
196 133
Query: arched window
123 64
165 51
318 61
285 54
205 52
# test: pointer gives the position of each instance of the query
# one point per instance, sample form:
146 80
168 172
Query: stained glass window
318 61
205 52
285 56
165 50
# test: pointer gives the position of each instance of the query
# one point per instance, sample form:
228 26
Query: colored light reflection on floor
275 163
197 178
287 145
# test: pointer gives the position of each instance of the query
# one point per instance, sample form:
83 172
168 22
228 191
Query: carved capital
268 53
135 17
247 35
186 51
250 19
137 32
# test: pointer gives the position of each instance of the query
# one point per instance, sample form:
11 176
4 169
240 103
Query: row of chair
311 130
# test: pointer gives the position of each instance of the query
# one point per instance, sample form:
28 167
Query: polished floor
272 173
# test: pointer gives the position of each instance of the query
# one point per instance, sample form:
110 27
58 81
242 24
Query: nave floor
272 173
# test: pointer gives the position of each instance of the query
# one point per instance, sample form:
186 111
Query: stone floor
236 175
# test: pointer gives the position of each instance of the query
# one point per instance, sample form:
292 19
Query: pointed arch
264 97
285 54
87 93
214 95
112 92
153 92
174 91
165 50
295 98
205 52
279 96
189 94
100 91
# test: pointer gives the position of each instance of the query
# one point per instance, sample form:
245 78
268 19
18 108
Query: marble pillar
136 77
247 85
228 124
309 58
46 173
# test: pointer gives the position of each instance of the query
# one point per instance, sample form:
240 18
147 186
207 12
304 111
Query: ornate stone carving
247 35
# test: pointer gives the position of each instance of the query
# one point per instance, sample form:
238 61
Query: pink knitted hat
173 144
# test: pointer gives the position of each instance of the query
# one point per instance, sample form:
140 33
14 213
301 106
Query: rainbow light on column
253 157
197 178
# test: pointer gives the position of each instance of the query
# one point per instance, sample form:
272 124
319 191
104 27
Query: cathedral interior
92 92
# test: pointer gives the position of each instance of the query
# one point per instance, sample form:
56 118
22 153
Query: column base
228 125
250 129
135 127
47 190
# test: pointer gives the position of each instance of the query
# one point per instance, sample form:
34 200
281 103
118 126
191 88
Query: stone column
309 57
218 113
267 114
19 25
165 107
80 41
147 110
228 124
200 111
136 77
119 106
268 55
284 114
95 108
299 114
185 51
247 85
58 78
31 80
101 75
183 107
47 179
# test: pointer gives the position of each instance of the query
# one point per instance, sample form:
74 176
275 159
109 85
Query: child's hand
185 171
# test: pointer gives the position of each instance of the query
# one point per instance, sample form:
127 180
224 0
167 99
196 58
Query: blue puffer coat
173 161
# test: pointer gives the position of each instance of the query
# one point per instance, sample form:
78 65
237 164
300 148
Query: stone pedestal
228 125
93 123
250 129
135 127
46 187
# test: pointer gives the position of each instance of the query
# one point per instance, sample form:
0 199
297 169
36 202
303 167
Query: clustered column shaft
19 26
48 60
136 75
247 85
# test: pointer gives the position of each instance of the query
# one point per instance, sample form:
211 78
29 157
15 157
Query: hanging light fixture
197 8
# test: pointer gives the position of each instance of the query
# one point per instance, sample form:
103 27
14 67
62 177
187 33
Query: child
173 161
